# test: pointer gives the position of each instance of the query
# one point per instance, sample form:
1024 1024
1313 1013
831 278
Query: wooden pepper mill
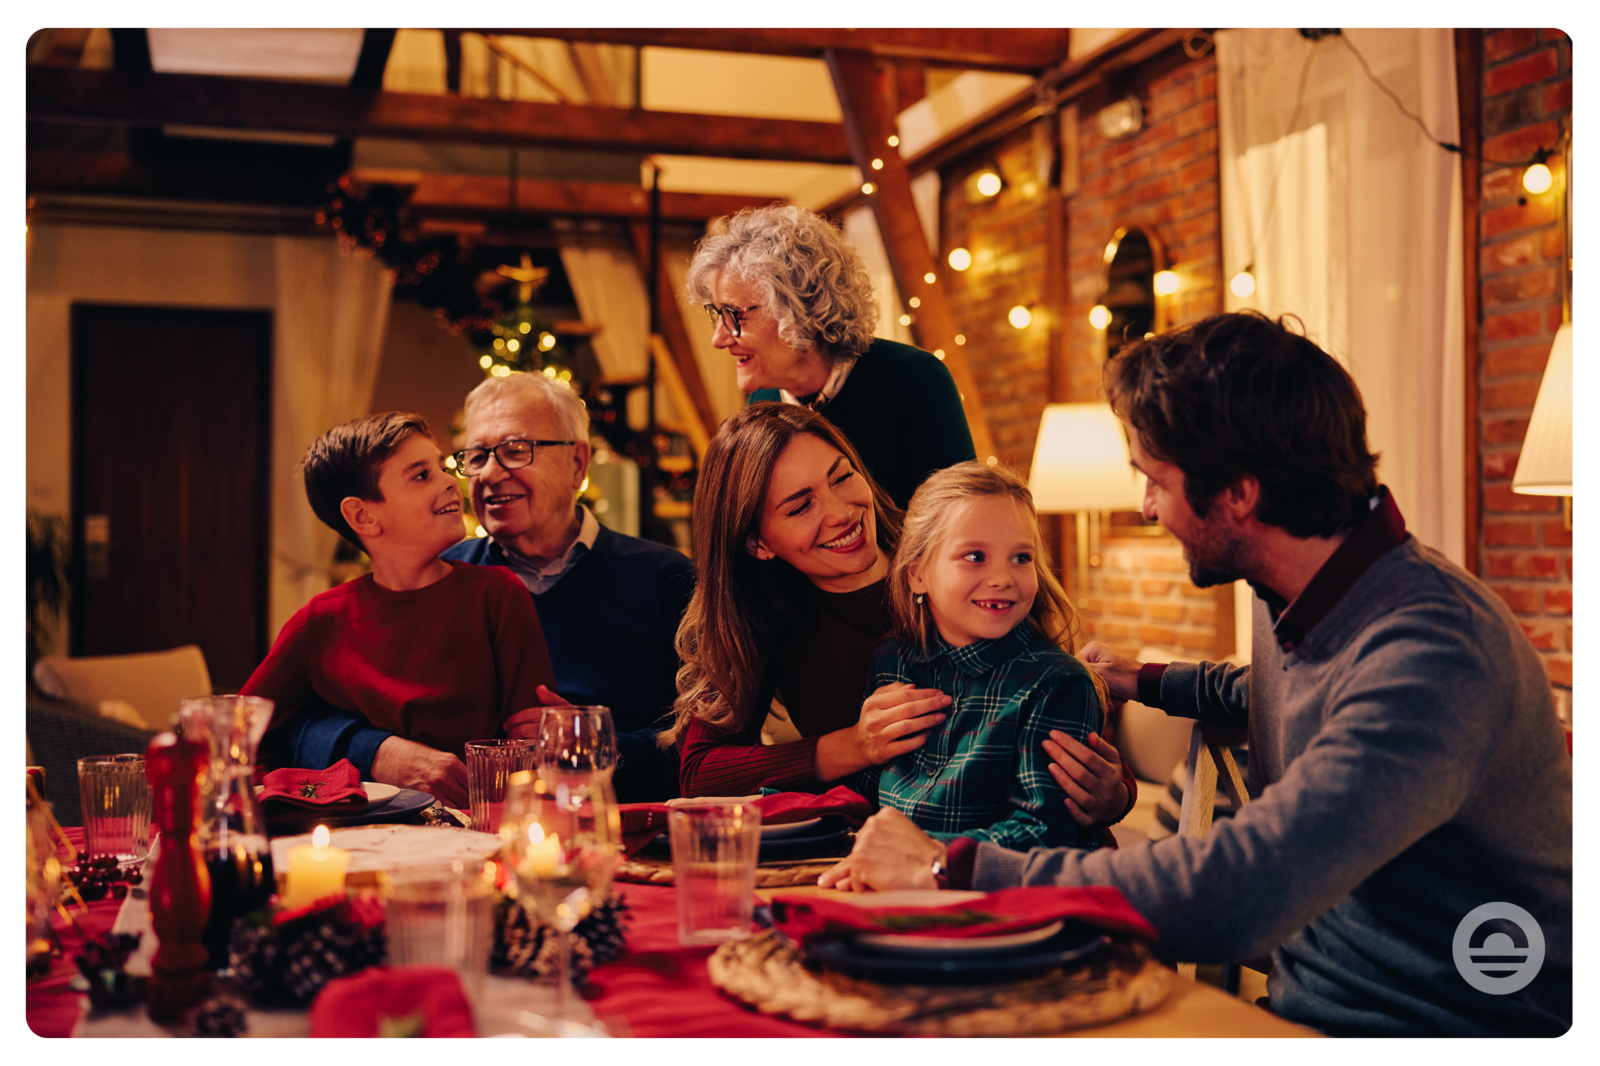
180 888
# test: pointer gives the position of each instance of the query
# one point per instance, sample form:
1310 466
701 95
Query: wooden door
171 429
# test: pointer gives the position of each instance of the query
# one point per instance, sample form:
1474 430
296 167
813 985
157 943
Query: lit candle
316 871
543 856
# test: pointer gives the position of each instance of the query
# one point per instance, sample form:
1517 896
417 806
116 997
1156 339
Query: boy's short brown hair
345 461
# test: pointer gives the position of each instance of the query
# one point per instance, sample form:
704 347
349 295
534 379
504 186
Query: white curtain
1359 236
332 308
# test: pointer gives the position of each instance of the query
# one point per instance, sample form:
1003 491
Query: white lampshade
1080 462
1545 466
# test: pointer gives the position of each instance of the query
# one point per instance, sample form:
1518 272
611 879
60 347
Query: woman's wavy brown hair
934 507
741 605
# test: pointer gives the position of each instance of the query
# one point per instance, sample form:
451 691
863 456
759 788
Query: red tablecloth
657 989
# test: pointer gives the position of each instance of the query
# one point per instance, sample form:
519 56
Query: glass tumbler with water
116 807
714 852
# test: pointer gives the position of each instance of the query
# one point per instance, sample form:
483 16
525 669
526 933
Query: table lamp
1545 466
1080 464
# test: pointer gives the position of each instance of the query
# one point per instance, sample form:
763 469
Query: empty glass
575 742
714 852
443 916
490 763
116 807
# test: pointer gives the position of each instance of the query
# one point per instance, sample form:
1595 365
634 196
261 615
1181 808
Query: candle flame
535 833
320 836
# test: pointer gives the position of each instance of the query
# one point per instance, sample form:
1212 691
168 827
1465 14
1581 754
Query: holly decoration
98 878
103 962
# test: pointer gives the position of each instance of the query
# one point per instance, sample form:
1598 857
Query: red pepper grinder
180 888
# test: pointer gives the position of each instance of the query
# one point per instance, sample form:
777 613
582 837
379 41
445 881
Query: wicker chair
60 733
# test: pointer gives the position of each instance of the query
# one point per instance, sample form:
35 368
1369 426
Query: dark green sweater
901 410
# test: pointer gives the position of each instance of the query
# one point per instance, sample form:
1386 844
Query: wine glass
575 743
561 840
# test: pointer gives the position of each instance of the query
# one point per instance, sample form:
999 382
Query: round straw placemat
644 870
764 972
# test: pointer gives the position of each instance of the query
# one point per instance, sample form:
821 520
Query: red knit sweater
440 665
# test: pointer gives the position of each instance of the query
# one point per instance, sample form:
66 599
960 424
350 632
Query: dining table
660 989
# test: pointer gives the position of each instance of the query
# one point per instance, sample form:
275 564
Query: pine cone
605 930
221 1015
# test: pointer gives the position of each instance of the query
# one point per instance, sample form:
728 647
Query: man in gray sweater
1406 765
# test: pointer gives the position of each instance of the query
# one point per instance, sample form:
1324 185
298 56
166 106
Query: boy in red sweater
437 653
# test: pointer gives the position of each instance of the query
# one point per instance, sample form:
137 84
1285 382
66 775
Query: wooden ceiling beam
458 194
669 323
868 125
102 96
1020 50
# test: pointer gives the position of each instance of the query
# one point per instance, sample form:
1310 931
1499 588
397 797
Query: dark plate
406 802
1076 941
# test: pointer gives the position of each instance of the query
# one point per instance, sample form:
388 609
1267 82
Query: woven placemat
644 870
769 975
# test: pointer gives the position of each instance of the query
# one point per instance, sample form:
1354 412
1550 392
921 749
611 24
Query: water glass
116 807
714 853
489 764
577 741
443 916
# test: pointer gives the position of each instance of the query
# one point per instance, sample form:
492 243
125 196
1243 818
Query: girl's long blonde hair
933 508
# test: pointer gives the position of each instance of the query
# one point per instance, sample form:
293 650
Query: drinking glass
714 852
490 764
116 807
561 841
576 743
443 915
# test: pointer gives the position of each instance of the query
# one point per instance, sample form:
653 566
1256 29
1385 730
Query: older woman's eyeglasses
510 454
732 317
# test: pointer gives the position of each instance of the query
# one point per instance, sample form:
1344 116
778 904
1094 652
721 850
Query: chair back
154 683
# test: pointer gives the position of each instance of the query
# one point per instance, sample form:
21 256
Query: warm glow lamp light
1099 316
1080 463
1545 466
1243 284
1166 282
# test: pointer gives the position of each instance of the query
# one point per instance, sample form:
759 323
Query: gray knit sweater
1406 766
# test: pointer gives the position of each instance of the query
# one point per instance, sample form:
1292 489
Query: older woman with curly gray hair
792 303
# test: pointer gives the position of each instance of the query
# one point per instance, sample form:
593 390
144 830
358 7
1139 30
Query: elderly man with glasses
609 604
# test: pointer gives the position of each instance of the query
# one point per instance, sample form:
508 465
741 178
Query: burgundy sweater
440 665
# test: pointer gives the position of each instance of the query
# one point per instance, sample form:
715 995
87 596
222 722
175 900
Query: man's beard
1219 557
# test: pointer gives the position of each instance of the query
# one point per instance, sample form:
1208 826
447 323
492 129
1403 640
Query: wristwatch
941 873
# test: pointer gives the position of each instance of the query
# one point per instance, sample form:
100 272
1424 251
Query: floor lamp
1080 465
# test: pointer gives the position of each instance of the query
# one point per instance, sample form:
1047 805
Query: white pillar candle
316 871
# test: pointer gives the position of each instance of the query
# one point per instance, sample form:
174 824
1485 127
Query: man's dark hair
1239 394
345 462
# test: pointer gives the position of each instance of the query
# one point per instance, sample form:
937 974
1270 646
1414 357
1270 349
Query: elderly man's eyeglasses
732 317
510 454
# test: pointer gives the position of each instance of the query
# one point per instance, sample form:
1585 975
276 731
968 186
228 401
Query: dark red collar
1381 531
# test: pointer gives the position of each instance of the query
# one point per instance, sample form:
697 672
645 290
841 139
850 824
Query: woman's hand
1121 673
408 764
895 719
890 852
1090 775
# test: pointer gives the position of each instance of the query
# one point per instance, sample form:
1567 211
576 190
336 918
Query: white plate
948 945
788 829
909 897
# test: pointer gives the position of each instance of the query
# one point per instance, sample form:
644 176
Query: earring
920 597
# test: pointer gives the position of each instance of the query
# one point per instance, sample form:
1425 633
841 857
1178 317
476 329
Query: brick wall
1526 551
1164 180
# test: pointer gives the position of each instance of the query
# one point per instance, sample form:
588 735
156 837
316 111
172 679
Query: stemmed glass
575 742
562 840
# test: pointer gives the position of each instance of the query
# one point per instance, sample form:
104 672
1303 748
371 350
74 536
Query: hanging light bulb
1099 316
1166 282
960 259
1243 284
988 183
1020 317
1537 179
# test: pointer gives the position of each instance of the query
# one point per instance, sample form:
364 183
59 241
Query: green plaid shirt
983 773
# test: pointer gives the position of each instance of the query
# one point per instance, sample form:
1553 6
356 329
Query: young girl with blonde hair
976 613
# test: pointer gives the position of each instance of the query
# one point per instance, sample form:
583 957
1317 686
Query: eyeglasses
732 317
510 454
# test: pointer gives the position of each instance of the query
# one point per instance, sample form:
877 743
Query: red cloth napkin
806 919
337 786
643 822
407 1000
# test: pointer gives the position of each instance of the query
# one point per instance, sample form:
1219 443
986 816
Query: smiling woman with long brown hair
792 543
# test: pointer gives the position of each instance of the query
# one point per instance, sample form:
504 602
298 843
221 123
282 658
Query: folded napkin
807 919
643 822
337 786
394 1001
